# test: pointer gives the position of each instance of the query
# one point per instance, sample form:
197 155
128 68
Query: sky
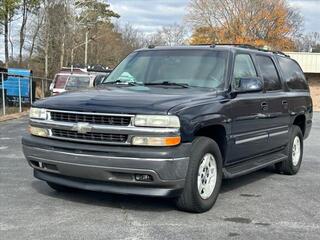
150 15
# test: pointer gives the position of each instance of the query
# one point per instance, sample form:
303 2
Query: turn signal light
156 141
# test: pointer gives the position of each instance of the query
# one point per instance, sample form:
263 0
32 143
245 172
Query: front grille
96 137
91 118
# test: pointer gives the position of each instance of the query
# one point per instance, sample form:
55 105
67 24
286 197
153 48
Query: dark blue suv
173 122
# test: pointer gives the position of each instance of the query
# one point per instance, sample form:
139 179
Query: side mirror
51 86
247 85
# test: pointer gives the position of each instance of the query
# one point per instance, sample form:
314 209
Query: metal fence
18 92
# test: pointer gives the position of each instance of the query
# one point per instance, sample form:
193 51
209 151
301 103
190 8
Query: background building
310 64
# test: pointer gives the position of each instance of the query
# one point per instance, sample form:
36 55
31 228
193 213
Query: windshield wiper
184 85
120 82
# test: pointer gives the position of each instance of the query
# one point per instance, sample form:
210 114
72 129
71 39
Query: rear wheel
204 177
60 188
292 164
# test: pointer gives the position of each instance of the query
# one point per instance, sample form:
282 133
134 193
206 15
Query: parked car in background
77 78
101 77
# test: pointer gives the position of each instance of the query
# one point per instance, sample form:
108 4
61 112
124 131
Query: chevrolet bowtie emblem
82 128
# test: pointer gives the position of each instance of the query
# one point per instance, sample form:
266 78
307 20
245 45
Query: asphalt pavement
261 205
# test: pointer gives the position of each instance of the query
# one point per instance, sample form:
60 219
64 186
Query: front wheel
204 177
292 164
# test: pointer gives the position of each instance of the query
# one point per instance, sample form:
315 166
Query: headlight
156 141
157 121
38 113
40 132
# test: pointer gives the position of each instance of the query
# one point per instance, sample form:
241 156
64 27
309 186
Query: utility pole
86 50
75 5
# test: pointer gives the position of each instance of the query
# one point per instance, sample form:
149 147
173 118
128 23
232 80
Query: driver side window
243 68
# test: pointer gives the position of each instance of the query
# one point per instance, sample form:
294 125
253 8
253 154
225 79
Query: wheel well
218 134
300 121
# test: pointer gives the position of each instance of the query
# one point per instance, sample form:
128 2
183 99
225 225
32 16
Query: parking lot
262 205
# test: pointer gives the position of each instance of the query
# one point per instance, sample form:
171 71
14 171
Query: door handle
264 106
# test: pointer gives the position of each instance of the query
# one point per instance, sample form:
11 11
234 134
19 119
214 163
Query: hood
130 100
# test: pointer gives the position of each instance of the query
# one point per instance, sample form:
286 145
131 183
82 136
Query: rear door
277 115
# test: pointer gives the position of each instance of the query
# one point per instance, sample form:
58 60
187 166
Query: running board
252 165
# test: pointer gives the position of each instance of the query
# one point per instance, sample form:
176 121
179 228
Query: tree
89 16
171 35
27 7
270 22
309 42
33 32
7 12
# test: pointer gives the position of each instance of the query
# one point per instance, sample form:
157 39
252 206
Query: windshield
195 68
77 82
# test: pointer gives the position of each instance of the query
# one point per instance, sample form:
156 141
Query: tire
292 164
191 200
60 188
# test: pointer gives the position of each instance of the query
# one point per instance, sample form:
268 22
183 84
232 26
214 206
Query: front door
248 115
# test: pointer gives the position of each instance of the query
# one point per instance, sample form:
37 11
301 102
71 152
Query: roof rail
280 53
151 46
249 46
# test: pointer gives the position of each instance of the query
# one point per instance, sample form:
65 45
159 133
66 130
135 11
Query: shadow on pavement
231 184
138 202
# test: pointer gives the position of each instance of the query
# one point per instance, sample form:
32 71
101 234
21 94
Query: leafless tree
309 42
171 35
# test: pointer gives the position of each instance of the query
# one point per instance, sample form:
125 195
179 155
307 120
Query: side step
253 165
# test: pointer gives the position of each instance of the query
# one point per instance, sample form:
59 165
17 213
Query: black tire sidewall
200 147
295 131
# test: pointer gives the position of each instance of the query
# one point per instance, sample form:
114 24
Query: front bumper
108 168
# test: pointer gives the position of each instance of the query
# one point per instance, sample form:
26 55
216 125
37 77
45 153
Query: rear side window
269 73
243 68
77 82
293 74
60 81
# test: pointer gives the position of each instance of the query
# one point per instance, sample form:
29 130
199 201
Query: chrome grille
91 118
87 137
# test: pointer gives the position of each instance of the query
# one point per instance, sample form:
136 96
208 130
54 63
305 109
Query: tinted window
197 68
77 82
269 73
243 68
292 74
60 81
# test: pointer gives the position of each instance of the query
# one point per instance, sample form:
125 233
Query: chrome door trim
251 139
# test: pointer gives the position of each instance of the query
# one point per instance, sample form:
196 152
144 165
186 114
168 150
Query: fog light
40 132
143 177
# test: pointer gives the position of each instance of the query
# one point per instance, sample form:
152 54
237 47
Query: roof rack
242 45
280 53
239 45
249 46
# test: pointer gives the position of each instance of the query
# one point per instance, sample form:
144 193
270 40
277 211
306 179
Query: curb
13 116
